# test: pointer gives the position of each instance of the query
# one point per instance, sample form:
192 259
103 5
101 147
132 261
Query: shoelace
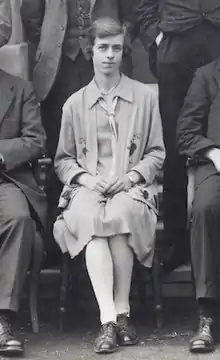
122 321
5 327
108 329
204 326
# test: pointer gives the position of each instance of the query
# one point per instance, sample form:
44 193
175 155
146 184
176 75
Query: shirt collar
123 91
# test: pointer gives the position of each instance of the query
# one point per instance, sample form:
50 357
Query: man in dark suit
198 134
22 203
190 33
58 31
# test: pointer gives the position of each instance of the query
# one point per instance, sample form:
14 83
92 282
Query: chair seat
180 275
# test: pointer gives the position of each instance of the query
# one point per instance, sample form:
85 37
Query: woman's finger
117 187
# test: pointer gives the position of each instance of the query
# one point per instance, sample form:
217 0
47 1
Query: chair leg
38 252
157 291
141 285
64 273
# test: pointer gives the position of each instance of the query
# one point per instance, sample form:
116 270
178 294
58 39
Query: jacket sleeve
31 142
192 122
5 21
154 153
147 18
66 165
32 14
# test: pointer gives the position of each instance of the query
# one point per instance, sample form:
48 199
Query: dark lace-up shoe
203 341
106 342
9 345
126 331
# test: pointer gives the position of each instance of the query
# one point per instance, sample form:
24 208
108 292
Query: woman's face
107 54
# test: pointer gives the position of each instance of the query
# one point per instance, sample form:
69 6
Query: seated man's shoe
126 331
9 345
106 342
203 341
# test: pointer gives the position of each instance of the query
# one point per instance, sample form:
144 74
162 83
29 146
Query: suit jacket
22 138
199 121
45 23
170 16
5 21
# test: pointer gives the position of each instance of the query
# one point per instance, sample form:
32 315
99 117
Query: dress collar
123 91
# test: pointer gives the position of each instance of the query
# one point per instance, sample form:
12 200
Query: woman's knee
97 243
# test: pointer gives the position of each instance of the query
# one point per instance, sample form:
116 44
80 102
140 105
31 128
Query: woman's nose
110 53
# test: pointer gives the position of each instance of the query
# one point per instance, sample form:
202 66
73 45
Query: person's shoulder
20 87
16 81
142 89
209 69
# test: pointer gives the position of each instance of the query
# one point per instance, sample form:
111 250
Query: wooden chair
142 274
40 168
183 274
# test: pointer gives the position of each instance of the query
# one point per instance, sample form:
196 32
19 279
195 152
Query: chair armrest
41 168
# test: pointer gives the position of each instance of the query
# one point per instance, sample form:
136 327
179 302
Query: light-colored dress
88 214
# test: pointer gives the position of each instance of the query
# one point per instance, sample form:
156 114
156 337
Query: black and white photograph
110 179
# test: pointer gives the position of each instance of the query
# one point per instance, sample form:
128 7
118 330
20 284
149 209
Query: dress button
59 44
61 27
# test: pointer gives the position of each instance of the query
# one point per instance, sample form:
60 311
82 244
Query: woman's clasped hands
108 186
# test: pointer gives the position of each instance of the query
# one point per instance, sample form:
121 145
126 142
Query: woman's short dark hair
105 27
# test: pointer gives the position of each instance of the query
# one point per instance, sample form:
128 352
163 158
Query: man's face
107 54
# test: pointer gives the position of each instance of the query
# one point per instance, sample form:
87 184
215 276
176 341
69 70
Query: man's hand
94 183
214 155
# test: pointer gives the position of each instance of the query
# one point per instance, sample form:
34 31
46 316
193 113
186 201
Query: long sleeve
5 21
192 122
154 153
147 18
65 163
31 142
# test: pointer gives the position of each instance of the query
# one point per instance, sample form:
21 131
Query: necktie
110 108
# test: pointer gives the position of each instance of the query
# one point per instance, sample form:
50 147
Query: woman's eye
117 48
103 47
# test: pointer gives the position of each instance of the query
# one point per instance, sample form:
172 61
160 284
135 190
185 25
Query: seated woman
199 139
109 153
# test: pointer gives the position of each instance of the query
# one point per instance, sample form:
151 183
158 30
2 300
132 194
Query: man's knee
206 207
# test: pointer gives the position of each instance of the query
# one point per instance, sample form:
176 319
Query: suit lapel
6 95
